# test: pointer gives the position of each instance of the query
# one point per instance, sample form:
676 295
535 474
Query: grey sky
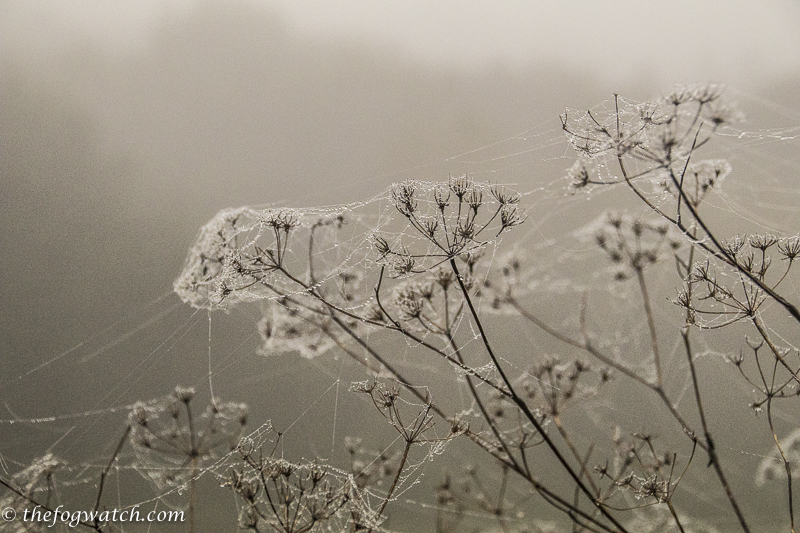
735 41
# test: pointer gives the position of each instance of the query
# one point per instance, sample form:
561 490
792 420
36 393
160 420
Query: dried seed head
762 242
578 175
790 248
184 394
403 196
474 199
403 265
439 197
510 216
460 186
381 245
504 196
443 277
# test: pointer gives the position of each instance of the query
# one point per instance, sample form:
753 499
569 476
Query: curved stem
525 409
651 325
713 458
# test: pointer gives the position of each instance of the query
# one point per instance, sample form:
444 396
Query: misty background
126 126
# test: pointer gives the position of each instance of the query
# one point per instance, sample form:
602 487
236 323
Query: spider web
274 266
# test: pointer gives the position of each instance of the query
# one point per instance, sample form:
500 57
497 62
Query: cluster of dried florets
639 469
632 244
446 220
172 442
554 384
698 180
713 298
200 283
312 302
278 495
659 131
426 303
659 137
504 282
273 257
239 253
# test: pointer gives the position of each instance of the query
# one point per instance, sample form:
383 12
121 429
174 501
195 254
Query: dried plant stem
651 325
489 420
400 468
713 458
524 407
583 345
500 499
105 471
774 349
192 495
606 360
786 464
571 445
675 515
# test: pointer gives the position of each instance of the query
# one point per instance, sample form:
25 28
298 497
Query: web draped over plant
582 311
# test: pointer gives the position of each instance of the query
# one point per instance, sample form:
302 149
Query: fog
124 127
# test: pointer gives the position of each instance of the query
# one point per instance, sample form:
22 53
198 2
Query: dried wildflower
660 137
171 441
381 245
436 227
403 196
430 226
410 297
504 196
295 498
373 313
460 186
465 231
474 200
698 180
510 216
734 245
631 244
283 220
680 95
444 277
790 248
403 264
505 282
720 113
440 199
205 262
472 258
184 394
705 94
287 328
578 175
